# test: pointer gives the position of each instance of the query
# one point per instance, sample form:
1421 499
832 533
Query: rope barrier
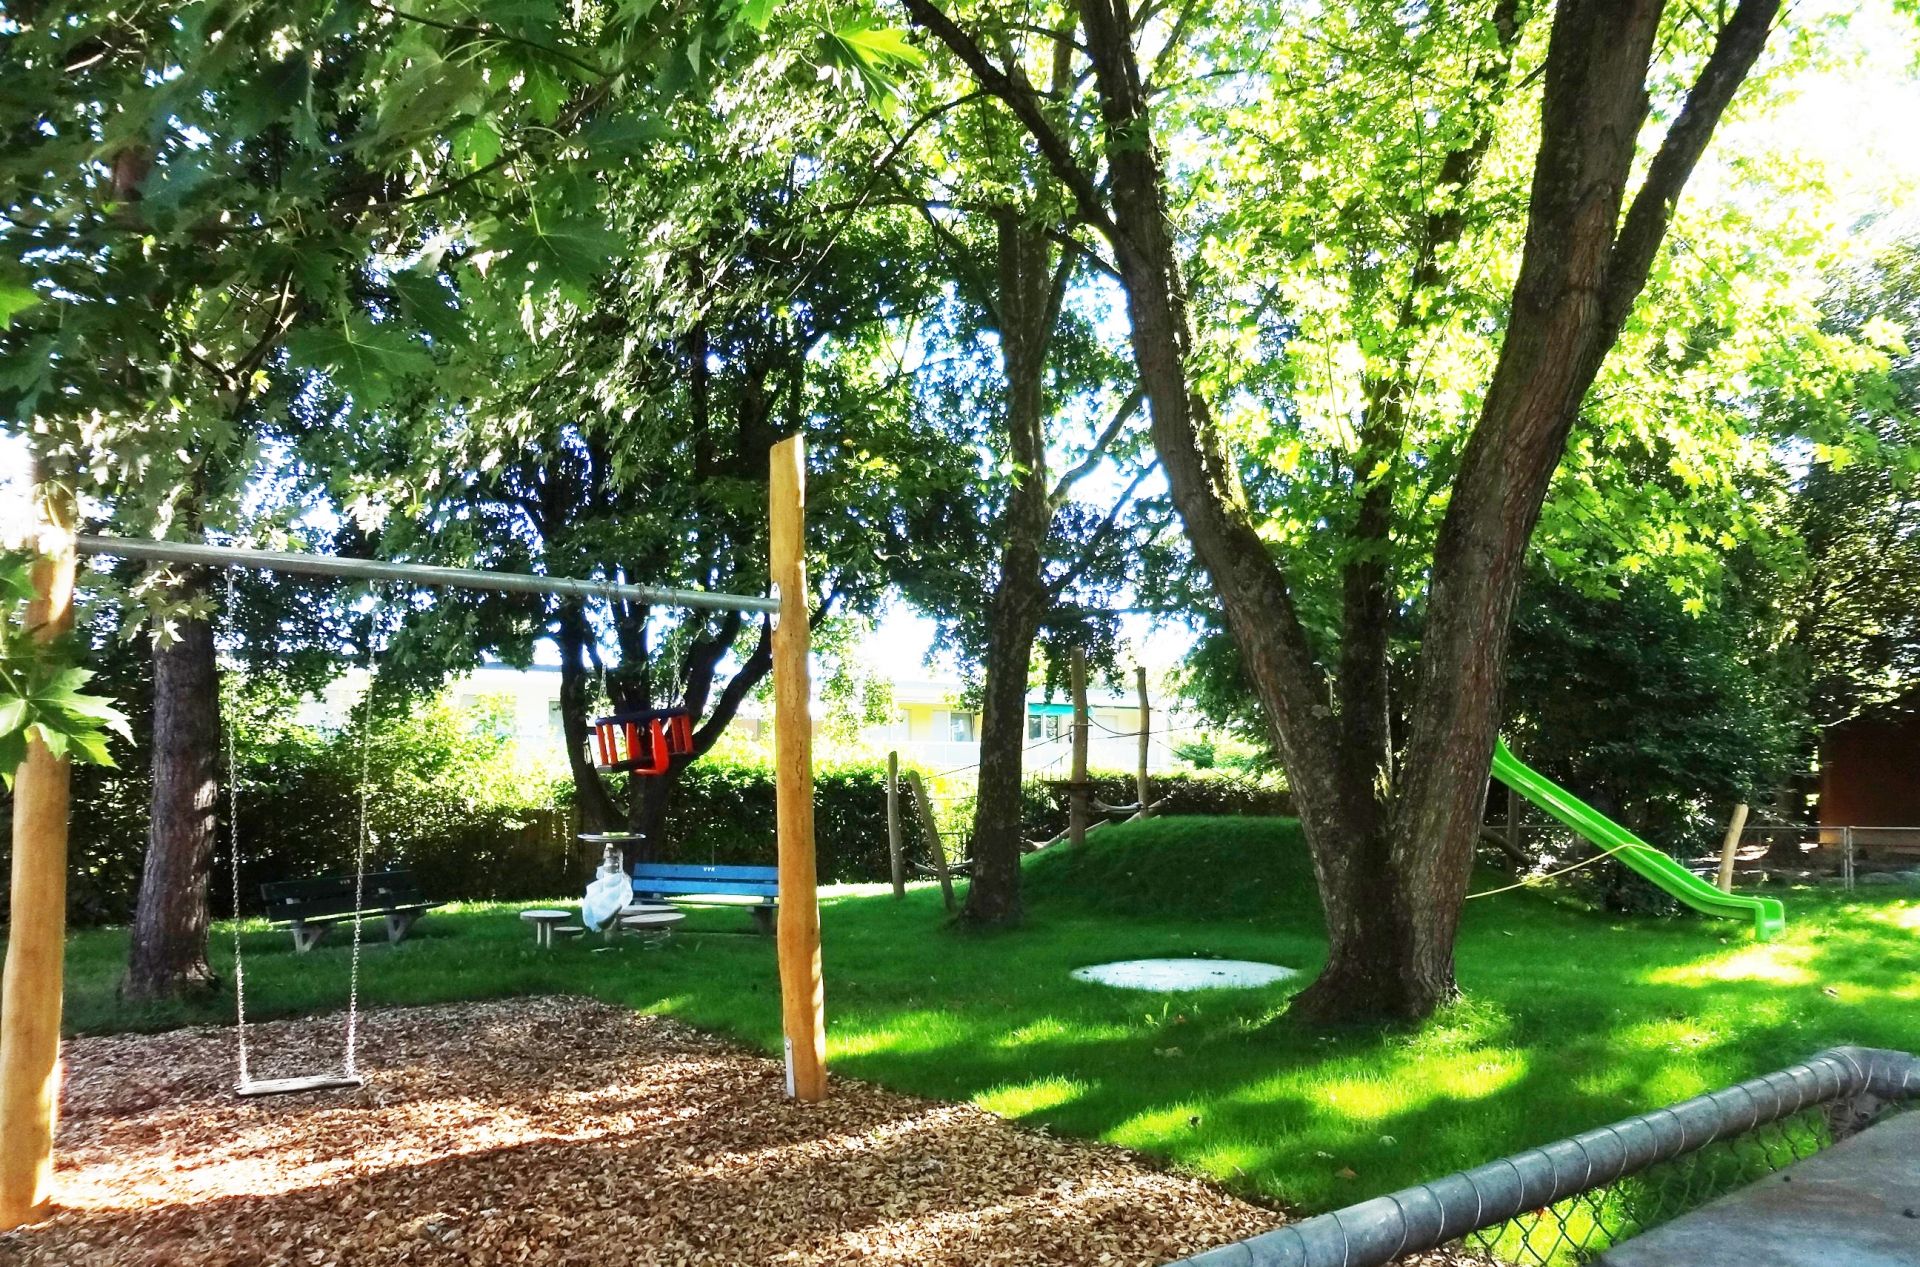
1532 880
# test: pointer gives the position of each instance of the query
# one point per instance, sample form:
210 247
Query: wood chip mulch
565 1131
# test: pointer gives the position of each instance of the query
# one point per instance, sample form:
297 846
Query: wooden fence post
1730 845
36 941
802 991
1146 733
894 857
1079 796
932 828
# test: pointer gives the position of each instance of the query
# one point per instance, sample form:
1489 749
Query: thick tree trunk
993 897
168 956
1030 290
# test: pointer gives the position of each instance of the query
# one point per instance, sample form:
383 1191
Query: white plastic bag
607 896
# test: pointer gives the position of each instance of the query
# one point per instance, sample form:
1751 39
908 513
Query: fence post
897 862
1730 845
1079 807
1846 858
938 850
1146 732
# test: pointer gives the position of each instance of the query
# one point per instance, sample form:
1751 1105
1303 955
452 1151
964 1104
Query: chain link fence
1581 1227
1568 1201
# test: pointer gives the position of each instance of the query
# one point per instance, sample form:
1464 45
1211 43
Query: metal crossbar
201 555
1563 1202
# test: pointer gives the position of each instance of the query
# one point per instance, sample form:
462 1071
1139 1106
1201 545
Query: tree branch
1080 469
1100 535
1645 226
1025 104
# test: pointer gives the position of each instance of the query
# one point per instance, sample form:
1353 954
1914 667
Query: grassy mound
1199 868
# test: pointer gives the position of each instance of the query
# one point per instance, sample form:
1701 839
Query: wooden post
898 862
30 1022
1079 798
932 828
802 992
1729 845
1146 733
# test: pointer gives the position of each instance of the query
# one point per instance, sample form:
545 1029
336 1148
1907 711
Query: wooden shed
1870 780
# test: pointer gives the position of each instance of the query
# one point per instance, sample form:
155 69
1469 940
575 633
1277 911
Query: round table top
652 918
610 837
646 908
546 915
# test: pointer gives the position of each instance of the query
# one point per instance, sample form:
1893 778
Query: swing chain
233 855
360 856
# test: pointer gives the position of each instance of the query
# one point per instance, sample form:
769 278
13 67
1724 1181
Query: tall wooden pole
30 1023
802 992
1730 846
1079 796
898 862
1146 734
936 848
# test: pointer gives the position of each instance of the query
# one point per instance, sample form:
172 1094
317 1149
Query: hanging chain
233 855
360 848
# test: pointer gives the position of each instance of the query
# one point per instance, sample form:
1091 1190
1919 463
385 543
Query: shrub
1202 793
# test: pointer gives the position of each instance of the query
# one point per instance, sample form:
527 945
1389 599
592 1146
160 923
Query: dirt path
559 1130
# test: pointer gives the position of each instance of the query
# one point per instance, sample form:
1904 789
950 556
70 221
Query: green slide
1769 917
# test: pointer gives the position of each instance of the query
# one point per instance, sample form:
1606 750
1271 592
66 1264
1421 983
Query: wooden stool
546 922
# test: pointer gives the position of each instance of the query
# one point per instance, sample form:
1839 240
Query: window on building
1046 725
960 727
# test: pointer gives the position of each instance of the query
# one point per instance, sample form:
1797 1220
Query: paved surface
1856 1204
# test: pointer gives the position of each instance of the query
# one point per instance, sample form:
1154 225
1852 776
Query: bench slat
316 896
686 871
767 889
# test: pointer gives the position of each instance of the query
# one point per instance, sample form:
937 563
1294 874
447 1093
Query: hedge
299 811
1216 793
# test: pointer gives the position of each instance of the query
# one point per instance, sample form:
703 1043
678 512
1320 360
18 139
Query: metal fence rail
1784 1116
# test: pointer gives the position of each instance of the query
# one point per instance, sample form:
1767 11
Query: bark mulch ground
564 1131
559 1130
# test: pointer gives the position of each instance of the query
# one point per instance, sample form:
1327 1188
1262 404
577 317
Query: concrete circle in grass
1184 974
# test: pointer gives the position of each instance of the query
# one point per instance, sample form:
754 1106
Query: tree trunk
168 956
1029 297
648 801
597 810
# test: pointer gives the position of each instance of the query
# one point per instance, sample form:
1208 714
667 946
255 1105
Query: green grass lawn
1572 1017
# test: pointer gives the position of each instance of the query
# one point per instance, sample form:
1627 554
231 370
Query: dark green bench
308 908
686 882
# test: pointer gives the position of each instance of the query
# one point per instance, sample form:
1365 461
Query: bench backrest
668 879
333 894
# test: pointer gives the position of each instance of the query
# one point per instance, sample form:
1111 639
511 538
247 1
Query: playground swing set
641 743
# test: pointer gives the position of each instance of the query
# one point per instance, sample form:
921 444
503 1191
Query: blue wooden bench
690 883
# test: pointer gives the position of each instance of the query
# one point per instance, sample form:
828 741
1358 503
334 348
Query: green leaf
363 359
13 715
571 253
15 297
13 750
880 45
757 13
428 303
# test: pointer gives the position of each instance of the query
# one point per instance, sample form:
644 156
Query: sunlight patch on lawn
910 1032
1158 1128
1781 963
1410 1085
1022 1099
1051 1029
